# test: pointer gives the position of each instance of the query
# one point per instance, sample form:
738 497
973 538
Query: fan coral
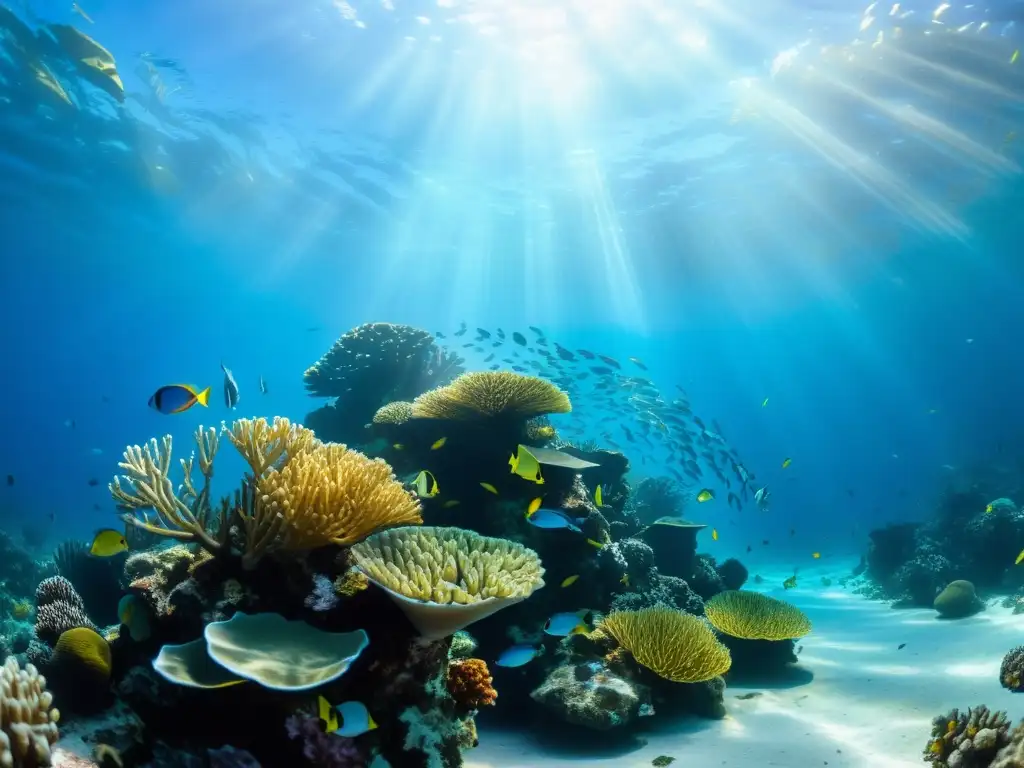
1011 671
398 412
446 578
753 616
967 739
676 646
957 600
329 494
58 609
470 683
28 726
491 394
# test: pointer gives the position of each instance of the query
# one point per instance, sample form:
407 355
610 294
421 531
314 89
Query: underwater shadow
773 680
557 739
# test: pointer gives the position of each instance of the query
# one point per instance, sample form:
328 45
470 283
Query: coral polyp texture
330 494
677 646
753 616
28 723
470 683
446 578
968 739
58 609
393 413
492 394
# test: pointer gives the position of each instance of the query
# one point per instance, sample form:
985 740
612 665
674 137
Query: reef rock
591 695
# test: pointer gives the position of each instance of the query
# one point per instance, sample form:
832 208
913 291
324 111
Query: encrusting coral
753 616
491 394
28 725
470 683
446 578
677 646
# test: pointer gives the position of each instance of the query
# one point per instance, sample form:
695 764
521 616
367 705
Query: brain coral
85 648
491 394
753 616
957 600
28 726
677 646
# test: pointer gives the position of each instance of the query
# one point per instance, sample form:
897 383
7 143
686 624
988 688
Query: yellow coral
83 646
676 646
28 726
350 583
753 616
21 609
393 413
489 394
263 445
329 494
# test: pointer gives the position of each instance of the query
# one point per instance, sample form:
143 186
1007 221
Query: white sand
869 705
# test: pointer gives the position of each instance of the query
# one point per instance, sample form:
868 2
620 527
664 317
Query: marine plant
28 723
675 645
753 616
481 395
444 579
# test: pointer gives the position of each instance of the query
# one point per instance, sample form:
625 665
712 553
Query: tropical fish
133 613
989 508
398 446
439 443
789 583
518 338
705 494
451 503
761 498
816 555
568 581
327 716
597 497
764 402
624 580
551 519
534 506
786 462
1020 557
901 646
263 386
714 534
108 543
519 655
353 719
1014 56
489 487
76 8
525 464
564 624
426 484
176 398
638 363
230 388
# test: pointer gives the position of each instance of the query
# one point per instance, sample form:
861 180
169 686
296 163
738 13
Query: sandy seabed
854 700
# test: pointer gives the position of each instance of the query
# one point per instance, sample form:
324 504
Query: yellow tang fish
108 543
786 462
489 487
714 534
534 506
451 503
438 443
816 555
597 497
426 484
525 465
705 495
568 581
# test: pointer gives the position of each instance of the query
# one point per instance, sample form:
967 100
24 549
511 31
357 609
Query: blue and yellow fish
177 398
565 624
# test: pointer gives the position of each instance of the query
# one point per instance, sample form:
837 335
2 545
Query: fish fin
203 398
371 724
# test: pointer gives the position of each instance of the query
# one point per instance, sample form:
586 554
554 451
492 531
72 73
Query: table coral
754 616
470 683
491 394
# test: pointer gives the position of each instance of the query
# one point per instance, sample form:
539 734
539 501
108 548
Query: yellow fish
786 463
1015 56
789 583
489 487
816 555
568 581
451 503
108 543
398 447
426 484
988 508
327 715
597 544
534 506
705 495
625 579
1019 558
714 534
597 497
525 465
764 402
438 443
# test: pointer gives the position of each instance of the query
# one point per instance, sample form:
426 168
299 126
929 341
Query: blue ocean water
761 201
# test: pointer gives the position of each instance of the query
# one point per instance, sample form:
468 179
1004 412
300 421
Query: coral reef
58 609
753 616
658 497
957 600
470 683
968 739
491 395
592 695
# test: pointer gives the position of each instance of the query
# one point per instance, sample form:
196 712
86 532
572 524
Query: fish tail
203 398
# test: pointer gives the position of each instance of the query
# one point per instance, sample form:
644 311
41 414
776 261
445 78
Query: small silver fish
230 388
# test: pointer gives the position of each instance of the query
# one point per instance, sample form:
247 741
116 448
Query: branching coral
967 739
446 578
265 445
676 646
491 394
28 726
753 616
398 412
470 683
146 487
